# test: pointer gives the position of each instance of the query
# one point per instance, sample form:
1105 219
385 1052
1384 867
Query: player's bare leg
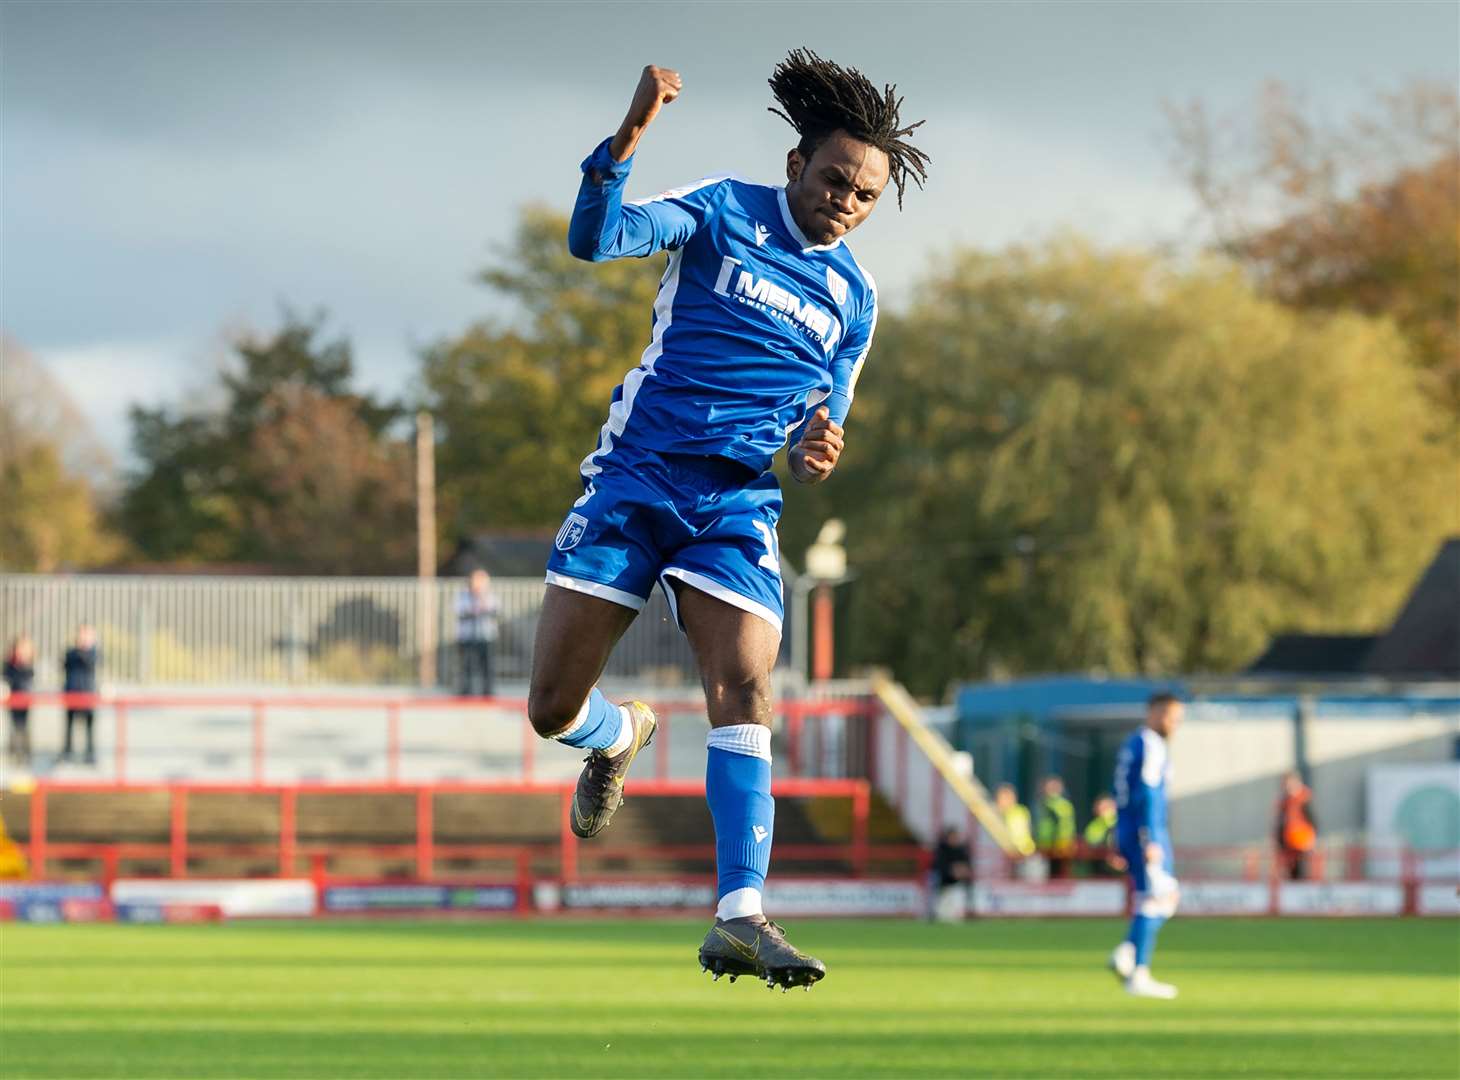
736 652
575 635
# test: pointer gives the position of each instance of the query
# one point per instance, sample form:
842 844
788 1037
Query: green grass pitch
1314 998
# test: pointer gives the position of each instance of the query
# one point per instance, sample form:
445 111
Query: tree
267 476
50 466
1362 217
519 405
1061 459
333 498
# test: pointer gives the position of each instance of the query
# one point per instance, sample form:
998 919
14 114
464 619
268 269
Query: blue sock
738 789
597 726
1142 935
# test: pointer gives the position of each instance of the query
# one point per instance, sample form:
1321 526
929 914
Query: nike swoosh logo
747 951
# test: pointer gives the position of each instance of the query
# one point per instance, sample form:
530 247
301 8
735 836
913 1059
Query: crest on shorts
571 532
837 284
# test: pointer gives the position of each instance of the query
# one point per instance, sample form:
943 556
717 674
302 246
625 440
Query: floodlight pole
826 566
823 650
426 549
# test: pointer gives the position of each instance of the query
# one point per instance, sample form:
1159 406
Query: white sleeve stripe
871 329
857 367
680 192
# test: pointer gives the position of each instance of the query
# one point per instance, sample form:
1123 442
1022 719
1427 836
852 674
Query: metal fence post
288 824
861 814
177 848
38 833
425 835
143 658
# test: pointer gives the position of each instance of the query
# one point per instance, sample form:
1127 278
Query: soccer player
1144 841
761 326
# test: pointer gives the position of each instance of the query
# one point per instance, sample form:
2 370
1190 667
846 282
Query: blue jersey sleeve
846 365
604 227
846 368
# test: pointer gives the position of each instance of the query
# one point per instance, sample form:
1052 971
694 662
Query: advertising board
1225 898
417 897
237 899
1021 898
786 896
1340 898
1437 898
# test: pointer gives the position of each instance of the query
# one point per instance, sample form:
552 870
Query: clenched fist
657 87
814 457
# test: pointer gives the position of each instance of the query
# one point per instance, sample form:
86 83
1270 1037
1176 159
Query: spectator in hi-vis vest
1100 848
1055 827
1015 818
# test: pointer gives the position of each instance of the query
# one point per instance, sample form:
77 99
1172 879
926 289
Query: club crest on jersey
837 284
571 532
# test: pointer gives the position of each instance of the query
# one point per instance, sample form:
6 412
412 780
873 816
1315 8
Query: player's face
833 193
1166 719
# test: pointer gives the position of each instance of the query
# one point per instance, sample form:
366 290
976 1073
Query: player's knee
551 711
740 696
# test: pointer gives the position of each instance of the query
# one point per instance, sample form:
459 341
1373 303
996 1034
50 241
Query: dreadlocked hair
818 97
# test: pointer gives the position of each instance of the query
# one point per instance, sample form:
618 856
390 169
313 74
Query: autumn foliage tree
1363 216
295 469
331 496
50 471
1063 459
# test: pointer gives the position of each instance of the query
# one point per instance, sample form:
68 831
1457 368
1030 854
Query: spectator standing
1297 829
20 677
952 872
476 632
1055 827
79 666
1100 847
1015 817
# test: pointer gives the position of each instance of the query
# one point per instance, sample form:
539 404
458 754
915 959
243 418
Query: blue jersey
754 328
1141 770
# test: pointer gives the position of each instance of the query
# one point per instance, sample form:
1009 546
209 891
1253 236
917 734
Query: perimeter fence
157 630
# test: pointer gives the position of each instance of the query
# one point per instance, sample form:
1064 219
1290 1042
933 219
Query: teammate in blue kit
1144 839
760 329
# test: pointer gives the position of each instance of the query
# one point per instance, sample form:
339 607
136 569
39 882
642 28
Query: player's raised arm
602 226
657 88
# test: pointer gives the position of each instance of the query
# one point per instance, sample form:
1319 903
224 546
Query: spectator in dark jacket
476 633
20 677
952 874
80 669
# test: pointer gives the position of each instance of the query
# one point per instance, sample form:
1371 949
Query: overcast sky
175 171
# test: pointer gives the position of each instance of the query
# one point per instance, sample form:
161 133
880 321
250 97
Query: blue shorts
1147 880
644 517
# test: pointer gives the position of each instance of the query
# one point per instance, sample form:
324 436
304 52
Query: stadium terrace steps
325 820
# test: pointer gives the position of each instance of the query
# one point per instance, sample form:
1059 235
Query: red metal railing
803 732
425 850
